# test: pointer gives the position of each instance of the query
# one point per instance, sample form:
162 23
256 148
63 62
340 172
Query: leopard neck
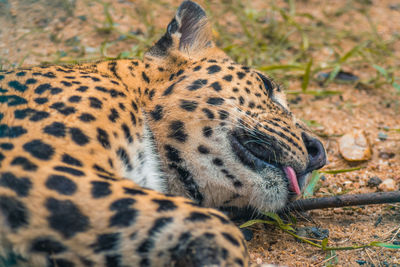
133 76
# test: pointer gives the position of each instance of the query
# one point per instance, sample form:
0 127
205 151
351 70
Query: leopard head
224 131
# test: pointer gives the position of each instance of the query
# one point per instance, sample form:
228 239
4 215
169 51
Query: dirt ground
34 31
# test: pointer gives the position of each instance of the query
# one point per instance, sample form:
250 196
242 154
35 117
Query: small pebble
313 232
346 76
378 221
89 49
382 136
83 18
341 76
295 100
386 155
388 185
248 234
394 7
361 262
374 181
354 146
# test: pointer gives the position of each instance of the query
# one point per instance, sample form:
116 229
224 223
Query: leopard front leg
173 231
124 225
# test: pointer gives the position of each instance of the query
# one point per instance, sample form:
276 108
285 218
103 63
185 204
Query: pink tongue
293 184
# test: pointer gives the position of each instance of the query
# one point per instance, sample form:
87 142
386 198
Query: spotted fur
91 154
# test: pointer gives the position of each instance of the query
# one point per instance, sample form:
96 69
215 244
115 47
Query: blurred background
339 62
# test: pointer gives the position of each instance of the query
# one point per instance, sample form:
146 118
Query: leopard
126 162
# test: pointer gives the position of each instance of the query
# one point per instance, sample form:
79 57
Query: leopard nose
316 152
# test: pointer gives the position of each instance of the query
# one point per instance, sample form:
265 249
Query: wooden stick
344 201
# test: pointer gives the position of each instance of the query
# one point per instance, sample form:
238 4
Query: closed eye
267 84
274 92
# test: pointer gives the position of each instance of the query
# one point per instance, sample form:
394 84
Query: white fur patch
146 170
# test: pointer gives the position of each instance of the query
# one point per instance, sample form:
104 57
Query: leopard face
224 131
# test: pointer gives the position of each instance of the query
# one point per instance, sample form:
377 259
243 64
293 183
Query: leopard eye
267 84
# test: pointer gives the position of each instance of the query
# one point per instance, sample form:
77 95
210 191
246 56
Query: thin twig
369 256
395 234
344 201
328 259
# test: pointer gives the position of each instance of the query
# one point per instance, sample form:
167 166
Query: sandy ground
50 30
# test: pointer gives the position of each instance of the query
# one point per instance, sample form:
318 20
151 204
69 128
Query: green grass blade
324 243
381 70
251 222
274 216
342 170
312 123
306 76
396 86
331 258
384 245
309 190
305 42
306 15
351 53
286 227
333 73
315 93
281 67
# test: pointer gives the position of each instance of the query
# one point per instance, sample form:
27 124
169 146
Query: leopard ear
188 32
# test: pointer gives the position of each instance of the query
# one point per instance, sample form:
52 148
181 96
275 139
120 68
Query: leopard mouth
257 158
